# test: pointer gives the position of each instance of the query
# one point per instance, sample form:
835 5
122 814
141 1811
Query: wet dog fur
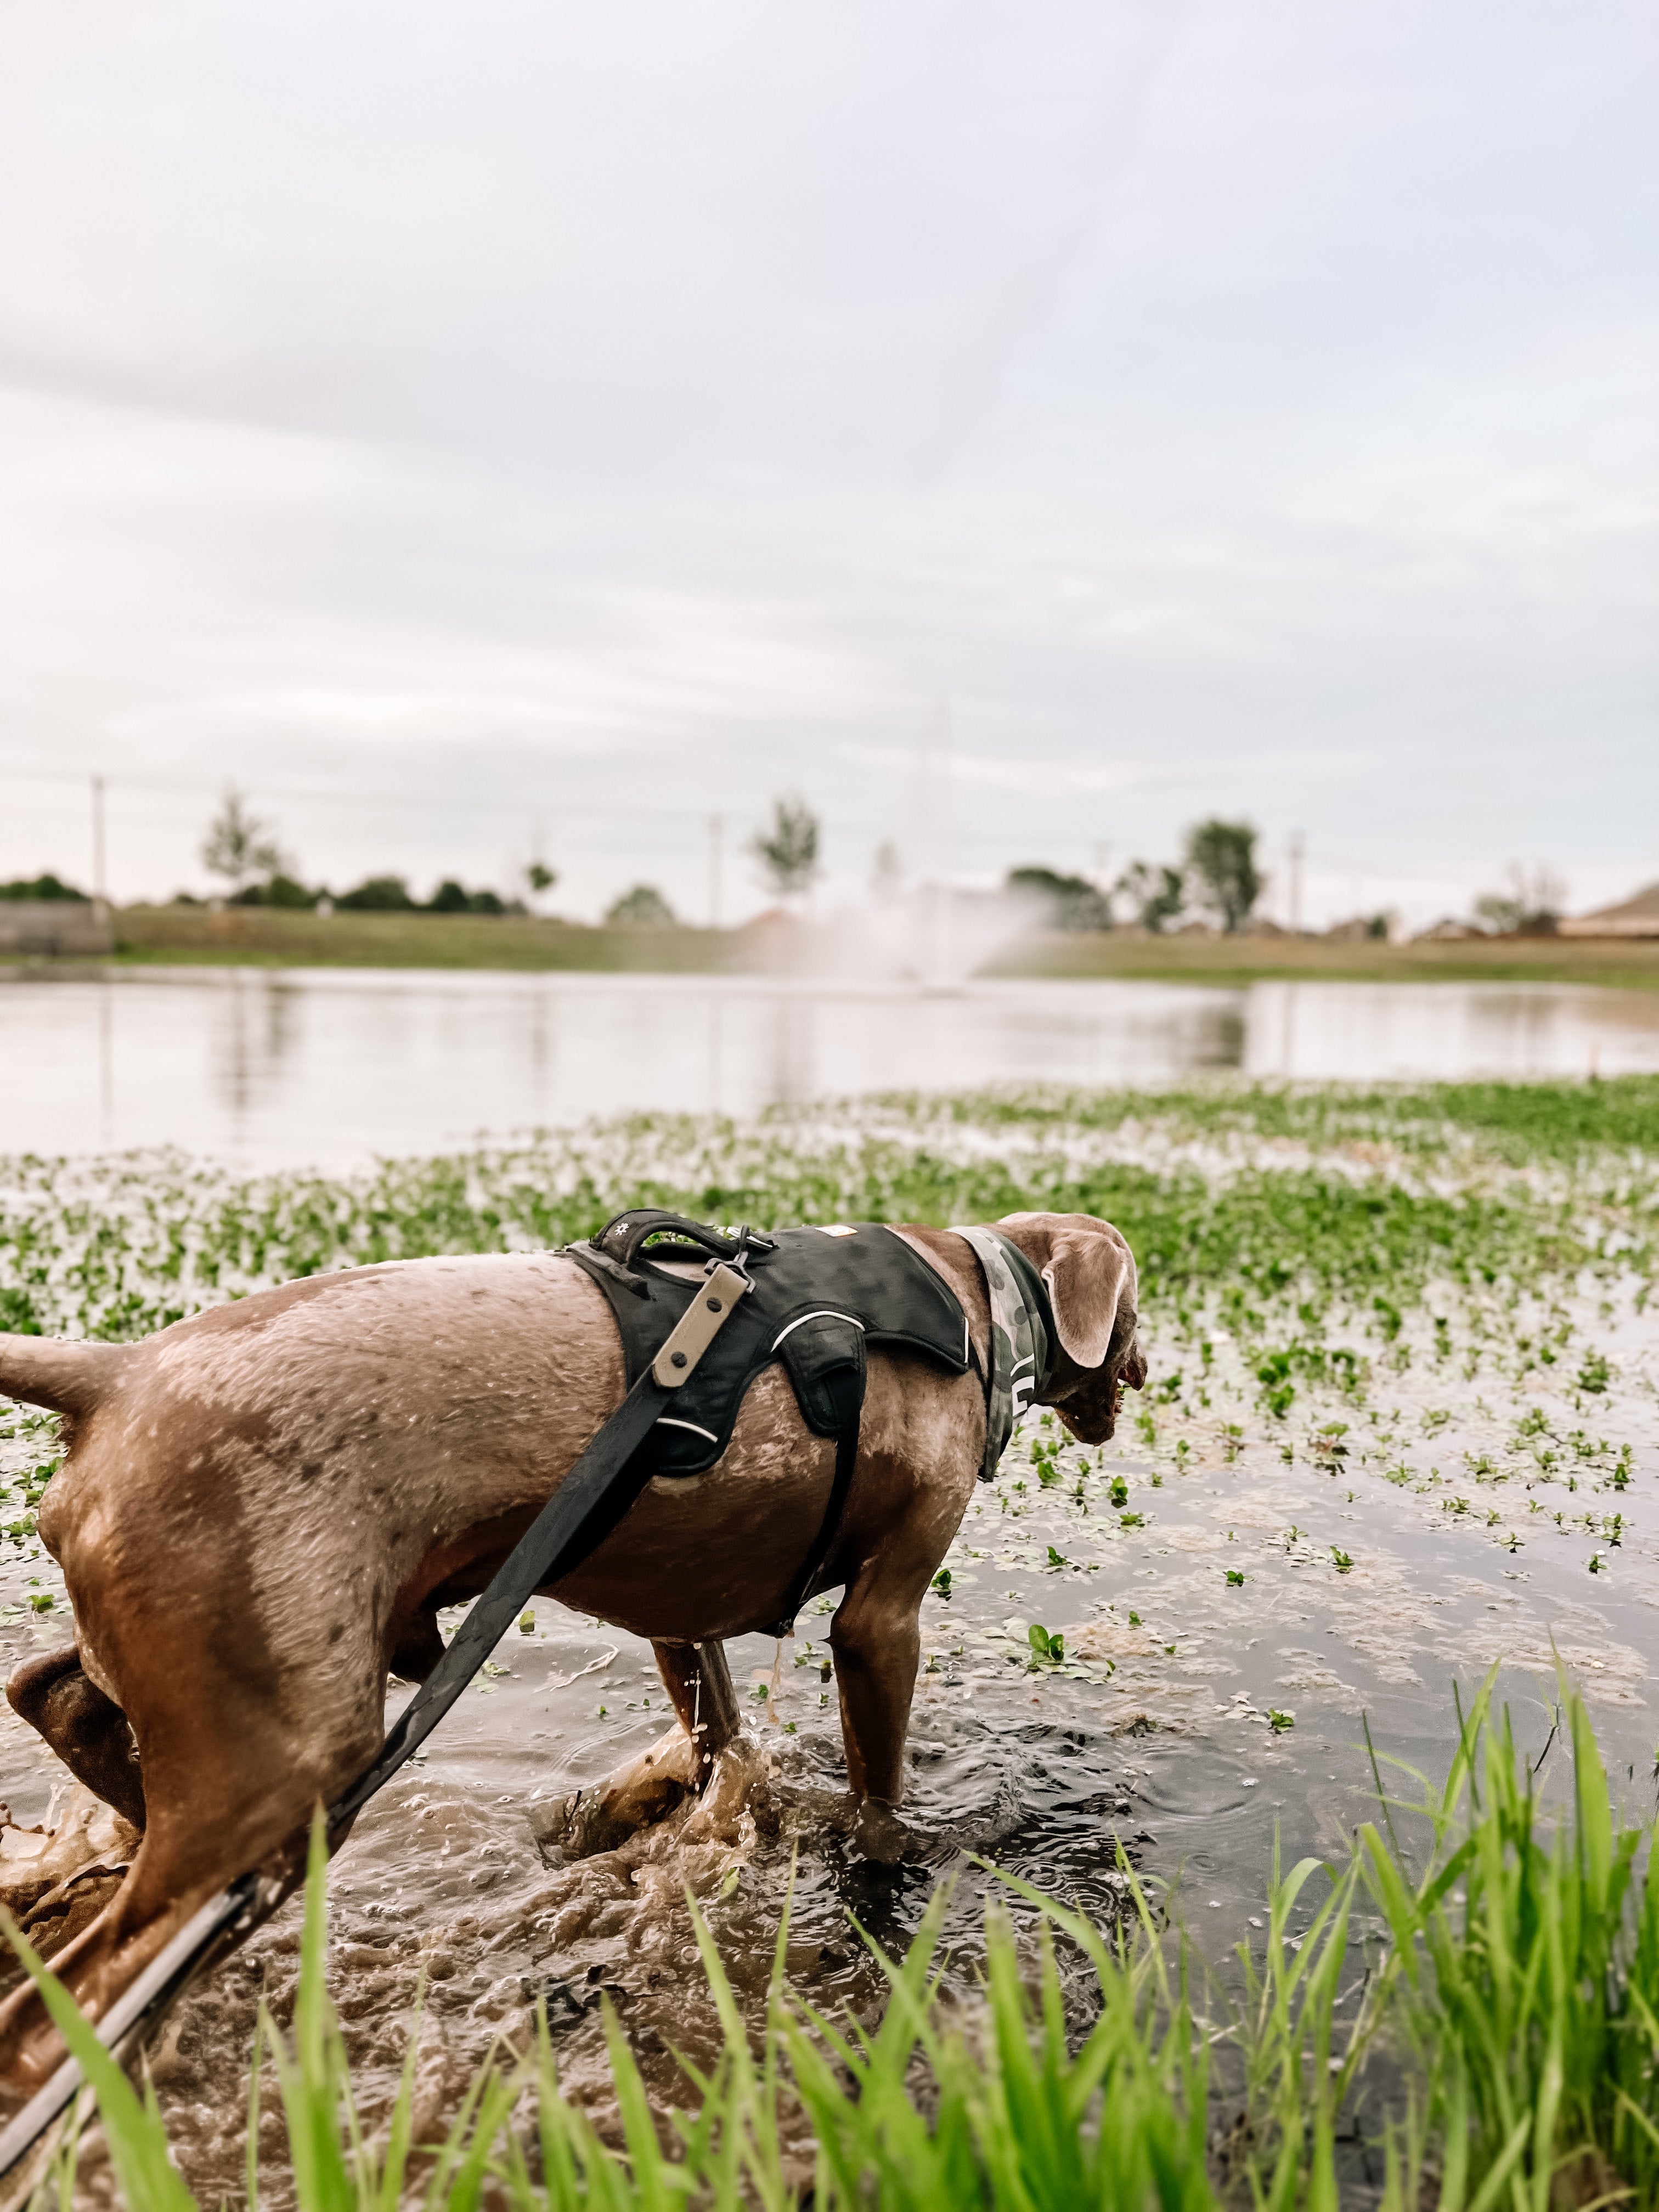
262 1508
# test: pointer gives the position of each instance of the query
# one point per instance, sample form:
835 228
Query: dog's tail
66 1374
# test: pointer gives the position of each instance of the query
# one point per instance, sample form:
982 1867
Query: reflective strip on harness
670 1421
824 1313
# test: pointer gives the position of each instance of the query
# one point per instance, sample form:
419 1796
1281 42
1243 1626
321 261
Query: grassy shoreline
270 938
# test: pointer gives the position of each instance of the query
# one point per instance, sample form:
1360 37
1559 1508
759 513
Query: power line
328 796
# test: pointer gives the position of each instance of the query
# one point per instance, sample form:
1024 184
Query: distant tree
377 895
1220 863
788 851
237 846
1532 905
451 898
540 878
285 890
281 890
1156 892
1068 901
39 887
643 908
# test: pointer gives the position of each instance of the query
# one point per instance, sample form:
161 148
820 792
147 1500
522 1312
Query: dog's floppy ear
1089 1274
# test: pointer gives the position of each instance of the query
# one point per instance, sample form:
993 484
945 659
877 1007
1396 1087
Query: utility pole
716 856
100 884
1296 848
933 843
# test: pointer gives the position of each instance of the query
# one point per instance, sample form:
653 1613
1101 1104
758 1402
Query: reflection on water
275 1068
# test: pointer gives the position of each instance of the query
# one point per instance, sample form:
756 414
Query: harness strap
806 1583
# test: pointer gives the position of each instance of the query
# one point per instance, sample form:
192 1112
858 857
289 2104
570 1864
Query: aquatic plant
1432 1279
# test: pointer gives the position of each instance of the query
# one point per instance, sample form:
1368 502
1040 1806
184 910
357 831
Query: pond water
1195 1720
329 1068
1195 1716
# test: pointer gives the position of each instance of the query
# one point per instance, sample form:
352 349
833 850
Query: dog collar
1021 1335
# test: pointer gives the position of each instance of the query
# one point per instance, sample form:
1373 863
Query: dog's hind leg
88 1730
235 1759
699 1683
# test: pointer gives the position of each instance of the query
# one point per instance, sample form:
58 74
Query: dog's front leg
699 1684
706 1720
876 1637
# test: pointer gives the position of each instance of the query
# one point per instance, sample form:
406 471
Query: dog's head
1088 1272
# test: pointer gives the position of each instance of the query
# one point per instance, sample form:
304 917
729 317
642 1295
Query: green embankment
269 937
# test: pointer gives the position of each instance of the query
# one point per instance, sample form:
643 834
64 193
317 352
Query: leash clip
746 1241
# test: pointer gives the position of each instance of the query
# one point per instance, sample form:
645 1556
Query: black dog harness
819 1297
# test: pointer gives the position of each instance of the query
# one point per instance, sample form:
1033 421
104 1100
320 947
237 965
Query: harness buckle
700 1324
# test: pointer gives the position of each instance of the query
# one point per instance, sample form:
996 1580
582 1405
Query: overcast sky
464 426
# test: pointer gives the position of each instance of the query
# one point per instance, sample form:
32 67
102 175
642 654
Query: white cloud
605 418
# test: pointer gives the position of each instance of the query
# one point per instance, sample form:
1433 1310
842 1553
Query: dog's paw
600 1818
879 1834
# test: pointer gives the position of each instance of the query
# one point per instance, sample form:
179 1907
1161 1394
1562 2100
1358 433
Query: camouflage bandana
1019 1339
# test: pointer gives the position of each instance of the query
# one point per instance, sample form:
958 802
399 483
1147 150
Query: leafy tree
237 846
40 887
1068 901
788 851
1156 893
451 898
377 895
643 908
1532 904
282 889
540 878
1220 860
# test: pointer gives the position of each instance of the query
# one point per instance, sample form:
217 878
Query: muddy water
325 1069
1156 1728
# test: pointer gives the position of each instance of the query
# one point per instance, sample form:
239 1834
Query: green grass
1502 2052
1602 963
273 937
269 937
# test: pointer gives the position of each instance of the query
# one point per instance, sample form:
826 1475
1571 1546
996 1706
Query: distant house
1631 917
1449 932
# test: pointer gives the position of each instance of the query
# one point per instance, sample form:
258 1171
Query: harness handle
621 1238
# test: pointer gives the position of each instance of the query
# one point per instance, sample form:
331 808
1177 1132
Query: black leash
586 1506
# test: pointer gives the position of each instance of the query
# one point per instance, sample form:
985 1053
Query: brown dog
263 1507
